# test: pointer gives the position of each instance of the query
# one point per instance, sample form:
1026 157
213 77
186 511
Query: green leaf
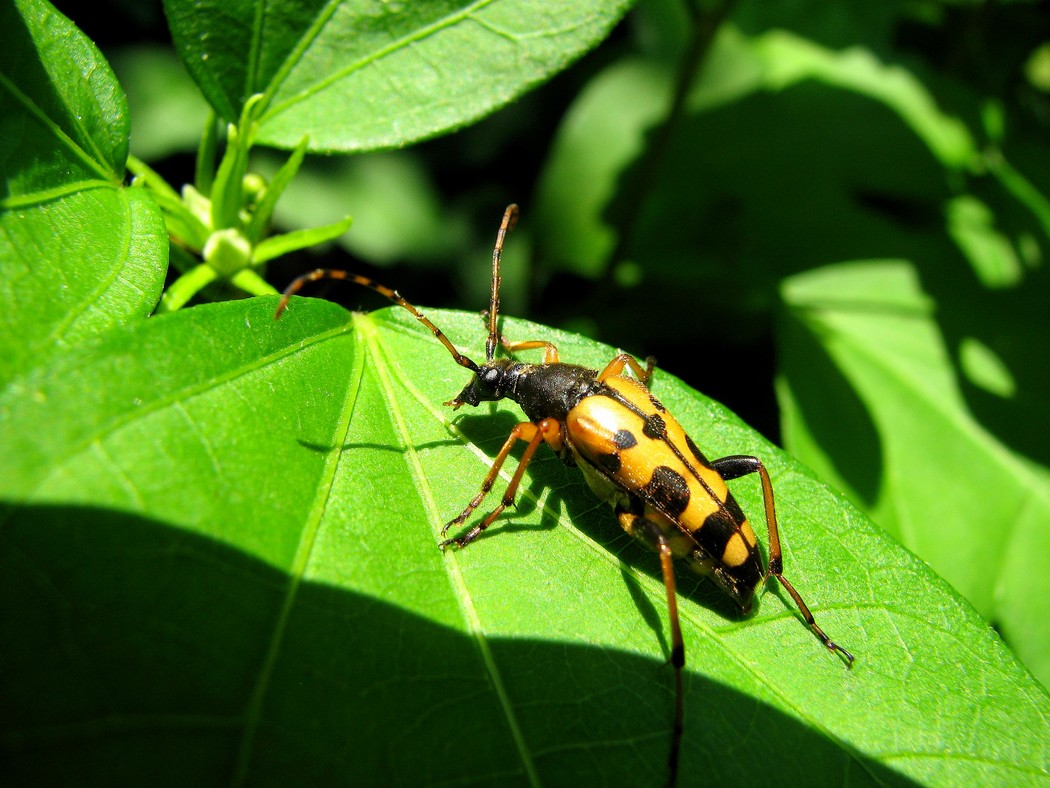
263 212
186 287
79 253
277 245
227 191
581 178
184 226
60 105
357 76
972 225
249 281
924 424
227 565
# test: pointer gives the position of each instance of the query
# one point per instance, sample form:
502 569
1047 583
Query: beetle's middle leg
650 532
546 430
550 352
741 465
616 366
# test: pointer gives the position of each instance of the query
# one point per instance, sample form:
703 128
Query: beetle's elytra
633 454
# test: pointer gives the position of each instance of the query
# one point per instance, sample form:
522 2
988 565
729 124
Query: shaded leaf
227 564
788 59
580 178
778 133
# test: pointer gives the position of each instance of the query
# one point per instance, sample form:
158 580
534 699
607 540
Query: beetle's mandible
633 454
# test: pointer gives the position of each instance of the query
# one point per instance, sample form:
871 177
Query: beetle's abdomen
631 439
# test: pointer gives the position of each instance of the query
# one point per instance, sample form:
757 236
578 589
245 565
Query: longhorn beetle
633 454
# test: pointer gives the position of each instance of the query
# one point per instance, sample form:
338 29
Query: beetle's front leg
535 434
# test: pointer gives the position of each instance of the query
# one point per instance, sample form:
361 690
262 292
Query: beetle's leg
550 352
740 465
615 367
650 533
535 434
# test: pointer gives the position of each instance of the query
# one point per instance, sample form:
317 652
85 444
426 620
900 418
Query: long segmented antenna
510 218
393 295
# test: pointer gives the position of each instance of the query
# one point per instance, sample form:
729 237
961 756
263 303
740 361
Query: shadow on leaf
135 652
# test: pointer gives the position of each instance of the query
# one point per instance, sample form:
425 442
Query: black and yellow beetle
633 454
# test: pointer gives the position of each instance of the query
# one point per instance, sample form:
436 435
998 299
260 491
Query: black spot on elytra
609 462
654 427
734 510
716 532
720 526
699 455
624 439
667 490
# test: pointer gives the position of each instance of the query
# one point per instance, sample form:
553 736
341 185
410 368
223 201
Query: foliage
218 532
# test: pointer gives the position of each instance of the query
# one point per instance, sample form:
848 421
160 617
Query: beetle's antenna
393 295
510 218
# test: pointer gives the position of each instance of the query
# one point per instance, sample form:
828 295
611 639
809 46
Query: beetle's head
491 382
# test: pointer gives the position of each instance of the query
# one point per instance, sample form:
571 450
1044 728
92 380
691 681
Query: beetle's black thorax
552 390
542 390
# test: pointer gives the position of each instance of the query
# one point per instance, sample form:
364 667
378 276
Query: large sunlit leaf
358 75
79 254
226 568
910 409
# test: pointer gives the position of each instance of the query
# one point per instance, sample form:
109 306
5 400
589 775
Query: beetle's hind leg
741 465
546 430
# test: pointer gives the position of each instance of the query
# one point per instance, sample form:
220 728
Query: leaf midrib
57 132
304 549
381 361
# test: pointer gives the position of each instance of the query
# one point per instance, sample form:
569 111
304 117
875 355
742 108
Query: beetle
633 454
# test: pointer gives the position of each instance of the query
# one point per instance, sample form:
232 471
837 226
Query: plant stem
702 32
